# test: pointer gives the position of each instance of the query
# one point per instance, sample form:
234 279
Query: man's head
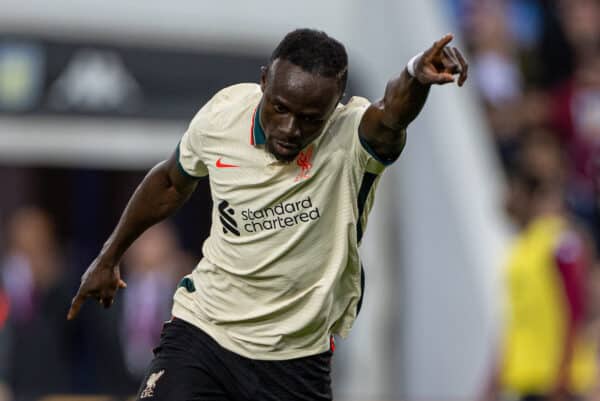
536 179
303 83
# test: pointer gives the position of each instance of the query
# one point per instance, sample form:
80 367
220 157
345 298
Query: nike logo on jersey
220 164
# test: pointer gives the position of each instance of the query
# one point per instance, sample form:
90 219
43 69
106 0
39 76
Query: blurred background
482 281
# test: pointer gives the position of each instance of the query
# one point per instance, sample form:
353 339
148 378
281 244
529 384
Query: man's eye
278 108
310 119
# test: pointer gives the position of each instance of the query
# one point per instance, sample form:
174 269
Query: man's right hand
100 281
164 190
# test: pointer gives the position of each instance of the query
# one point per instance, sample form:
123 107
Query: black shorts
189 365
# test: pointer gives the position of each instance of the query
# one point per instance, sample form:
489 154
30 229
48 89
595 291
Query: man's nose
290 127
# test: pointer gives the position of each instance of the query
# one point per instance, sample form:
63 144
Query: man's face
517 202
295 106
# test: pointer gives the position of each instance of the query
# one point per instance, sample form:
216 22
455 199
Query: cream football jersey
281 270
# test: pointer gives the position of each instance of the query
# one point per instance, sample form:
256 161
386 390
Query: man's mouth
287 145
283 150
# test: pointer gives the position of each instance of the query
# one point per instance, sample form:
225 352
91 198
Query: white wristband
410 66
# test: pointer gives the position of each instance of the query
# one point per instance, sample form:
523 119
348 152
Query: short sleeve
361 151
189 153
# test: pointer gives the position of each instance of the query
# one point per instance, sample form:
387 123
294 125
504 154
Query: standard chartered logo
282 215
277 217
226 216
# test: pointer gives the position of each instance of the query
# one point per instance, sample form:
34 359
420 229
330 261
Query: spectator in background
576 106
548 350
124 340
38 354
496 71
153 266
536 65
5 344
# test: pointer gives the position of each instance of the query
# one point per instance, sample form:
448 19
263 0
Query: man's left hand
440 63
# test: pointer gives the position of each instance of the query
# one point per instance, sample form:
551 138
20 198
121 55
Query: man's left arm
572 260
383 125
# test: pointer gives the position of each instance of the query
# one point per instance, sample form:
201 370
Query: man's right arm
164 190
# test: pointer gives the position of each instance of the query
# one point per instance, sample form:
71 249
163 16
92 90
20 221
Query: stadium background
94 93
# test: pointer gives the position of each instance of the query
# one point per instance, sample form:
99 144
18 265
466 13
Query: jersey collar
257 135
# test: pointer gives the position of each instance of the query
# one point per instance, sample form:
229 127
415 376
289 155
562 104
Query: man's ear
264 70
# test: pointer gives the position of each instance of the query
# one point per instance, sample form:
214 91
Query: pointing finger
440 44
76 305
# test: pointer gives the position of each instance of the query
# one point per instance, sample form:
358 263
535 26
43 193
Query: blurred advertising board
50 76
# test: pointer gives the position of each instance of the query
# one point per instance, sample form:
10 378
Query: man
292 174
548 351
32 277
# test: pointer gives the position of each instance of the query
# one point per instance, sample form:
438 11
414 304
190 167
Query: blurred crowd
40 352
536 67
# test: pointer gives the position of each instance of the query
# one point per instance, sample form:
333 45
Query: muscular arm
160 194
383 125
164 190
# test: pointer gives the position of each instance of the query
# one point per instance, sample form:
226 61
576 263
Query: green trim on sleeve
188 284
370 150
257 130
